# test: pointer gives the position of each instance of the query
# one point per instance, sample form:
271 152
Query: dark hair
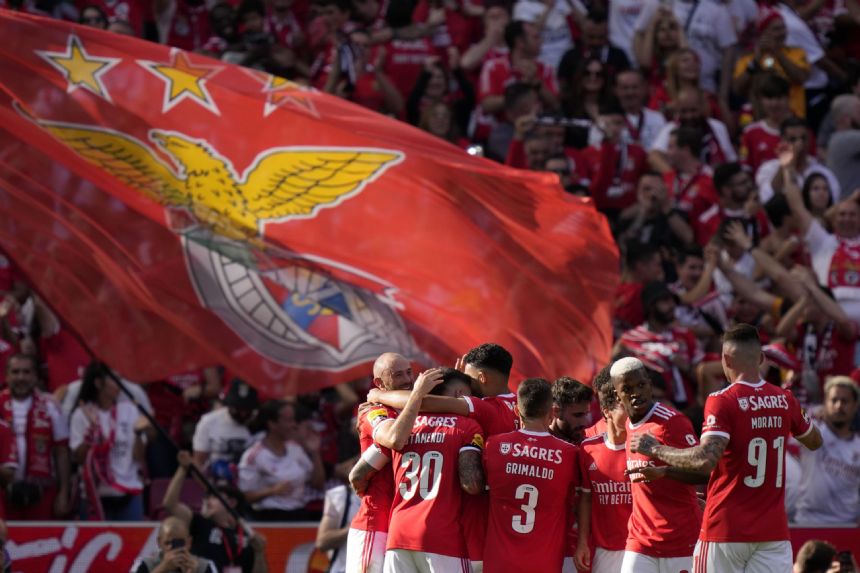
22 356
637 252
515 92
513 31
97 8
689 138
450 376
807 189
689 252
490 356
399 14
606 395
597 14
771 85
602 379
566 392
269 412
789 123
534 398
724 173
250 7
815 556
742 334
777 209
610 106
342 5
89 393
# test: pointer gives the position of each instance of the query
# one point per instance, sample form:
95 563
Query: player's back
375 505
746 492
666 516
425 515
532 478
495 414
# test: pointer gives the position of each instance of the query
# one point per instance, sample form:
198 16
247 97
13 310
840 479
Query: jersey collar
646 418
533 433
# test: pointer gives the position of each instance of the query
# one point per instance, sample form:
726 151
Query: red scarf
40 435
845 265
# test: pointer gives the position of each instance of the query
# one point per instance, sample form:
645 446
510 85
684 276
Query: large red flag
180 212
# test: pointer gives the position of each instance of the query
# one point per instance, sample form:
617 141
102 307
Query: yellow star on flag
184 81
81 69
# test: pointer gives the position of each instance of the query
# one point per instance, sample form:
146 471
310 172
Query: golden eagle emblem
281 183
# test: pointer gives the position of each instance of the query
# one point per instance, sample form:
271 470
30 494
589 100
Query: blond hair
842 382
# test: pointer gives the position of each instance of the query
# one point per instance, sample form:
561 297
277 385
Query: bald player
368 532
747 426
174 543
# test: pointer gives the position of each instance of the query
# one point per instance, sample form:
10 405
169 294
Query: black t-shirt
219 545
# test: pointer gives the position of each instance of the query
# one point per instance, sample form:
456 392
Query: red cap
766 17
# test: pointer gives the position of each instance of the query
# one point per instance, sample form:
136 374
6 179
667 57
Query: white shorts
638 563
607 561
405 561
568 566
365 551
723 557
477 567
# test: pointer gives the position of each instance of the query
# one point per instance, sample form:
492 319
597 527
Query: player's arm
471 471
701 459
394 434
397 399
811 439
367 466
582 555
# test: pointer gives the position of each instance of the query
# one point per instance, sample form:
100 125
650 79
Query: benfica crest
744 404
505 448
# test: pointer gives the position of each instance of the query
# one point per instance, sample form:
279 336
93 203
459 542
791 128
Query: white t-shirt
261 468
718 128
830 487
622 25
74 388
822 246
745 266
120 421
555 36
768 170
333 507
219 435
793 477
709 30
20 409
743 13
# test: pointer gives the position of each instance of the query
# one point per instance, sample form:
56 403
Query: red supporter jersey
602 465
656 350
758 144
666 515
613 173
746 492
376 504
708 223
532 477
425 515
8 446
495 414
692 194
498 73
405 61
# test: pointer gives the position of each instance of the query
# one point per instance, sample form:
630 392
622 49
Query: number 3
525 524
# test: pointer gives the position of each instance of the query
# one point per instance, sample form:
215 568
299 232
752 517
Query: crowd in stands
720 138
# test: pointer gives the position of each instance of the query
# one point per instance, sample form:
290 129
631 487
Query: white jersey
261 468
830 486
219 435
623 15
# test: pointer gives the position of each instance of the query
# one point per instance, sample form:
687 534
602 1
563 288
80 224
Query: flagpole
192 468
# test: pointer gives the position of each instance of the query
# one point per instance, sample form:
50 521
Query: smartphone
177 543
846 562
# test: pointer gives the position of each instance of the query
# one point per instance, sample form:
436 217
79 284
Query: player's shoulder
374 413
592 442
665 412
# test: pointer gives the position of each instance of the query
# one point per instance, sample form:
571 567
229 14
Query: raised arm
171 501
792 191
395 433
771 267
471 471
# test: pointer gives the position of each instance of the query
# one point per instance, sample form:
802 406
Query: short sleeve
764 178
801 424
680 432
335 503
584 461
200 441
661 142
59 422
717 418
78 428
248 478
473 437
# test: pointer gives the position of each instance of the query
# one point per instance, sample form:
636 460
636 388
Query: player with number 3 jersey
532 477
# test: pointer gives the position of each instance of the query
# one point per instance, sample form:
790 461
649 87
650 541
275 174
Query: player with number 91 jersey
532 477
746 492
425 515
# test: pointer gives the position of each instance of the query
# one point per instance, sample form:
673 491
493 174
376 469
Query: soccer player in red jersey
365 546
605 493
661 533
744 436
532 477
489 367
440 461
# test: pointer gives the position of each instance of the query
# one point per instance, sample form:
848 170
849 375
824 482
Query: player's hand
582 557
645 444
646 473
427 380
374 395
184 459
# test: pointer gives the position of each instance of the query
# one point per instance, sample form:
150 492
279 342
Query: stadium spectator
40 490
274 472
605 502
654 219
174 552
550 21
794 135
341 506
815 556
437 85
642 124
817 197
534 541
492 45
593 44
584 90
843 146
756 418
654 49
737 200
760 138
222 435
520 101
94 16
829 492
107 438
700 307
643 264
689 180
571 404
666 516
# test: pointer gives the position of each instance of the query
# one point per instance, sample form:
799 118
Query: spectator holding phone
174 555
